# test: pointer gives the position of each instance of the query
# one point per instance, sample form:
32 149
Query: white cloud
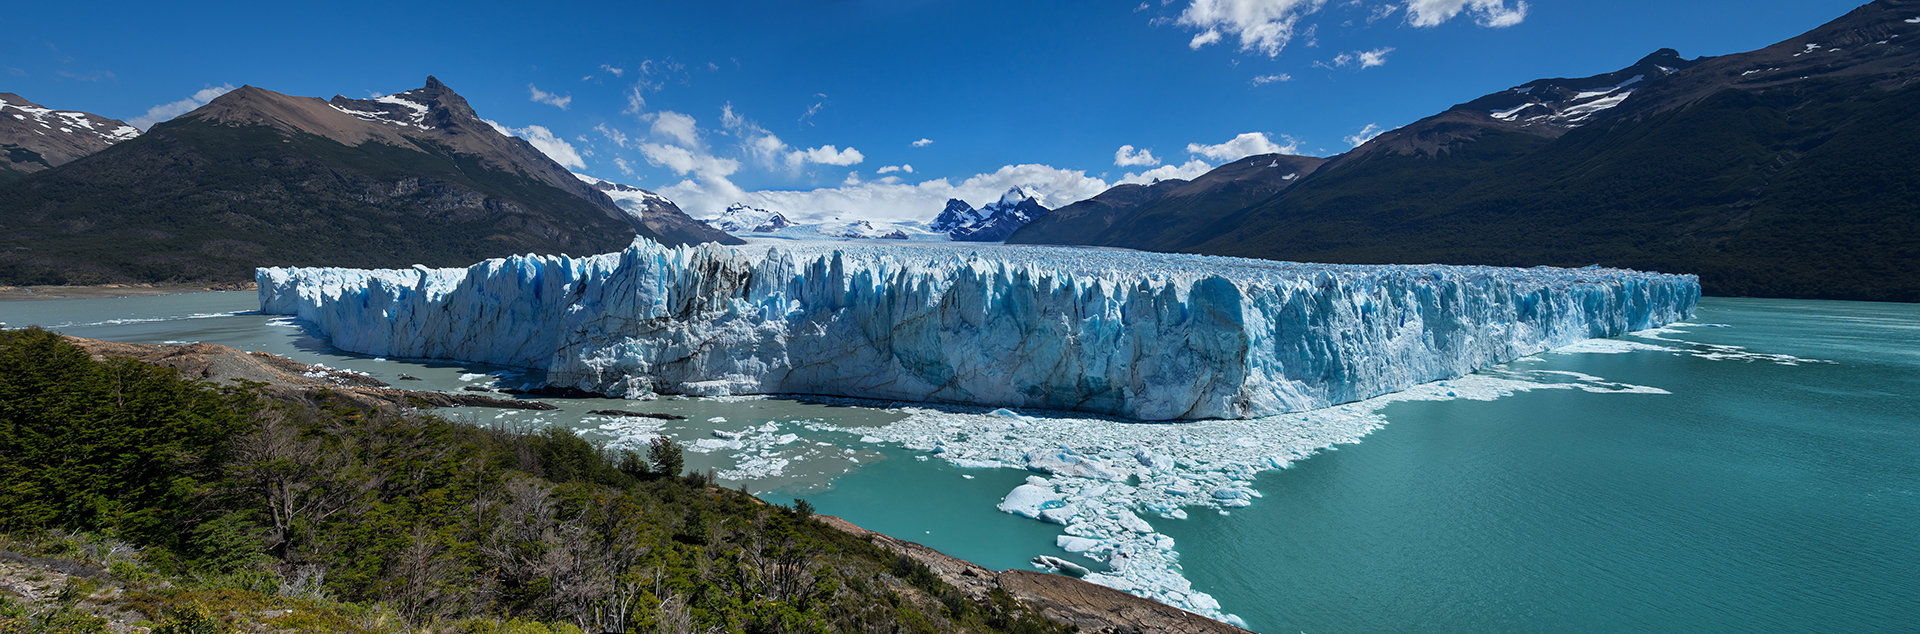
1488 13
923 142
617 71
1262 80
770 151
1261 26
889 169
1363 59
677 127
617 137
625 167
542 96
1364 135
1126 156
814 109
636 103
173 109
1265 27
830 155
1375 57
1184 171
546 142
1244 145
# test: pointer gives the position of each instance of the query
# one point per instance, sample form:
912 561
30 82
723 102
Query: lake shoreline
108 291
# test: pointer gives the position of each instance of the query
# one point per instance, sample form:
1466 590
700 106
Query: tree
802 508
666 456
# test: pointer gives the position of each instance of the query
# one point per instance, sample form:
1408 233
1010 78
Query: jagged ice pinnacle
1137 335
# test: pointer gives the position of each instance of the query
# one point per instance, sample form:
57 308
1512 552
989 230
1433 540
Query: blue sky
799 106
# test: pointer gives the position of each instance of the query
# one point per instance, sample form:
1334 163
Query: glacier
1136 335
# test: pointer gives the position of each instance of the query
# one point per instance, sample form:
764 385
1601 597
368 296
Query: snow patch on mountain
66 121
635 201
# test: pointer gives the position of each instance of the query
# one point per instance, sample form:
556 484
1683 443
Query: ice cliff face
1144 336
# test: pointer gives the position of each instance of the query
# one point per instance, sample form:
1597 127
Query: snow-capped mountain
742 220
34 137
633 200
739 218
991 223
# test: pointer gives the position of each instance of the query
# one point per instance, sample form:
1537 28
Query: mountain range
992 222
257 178
1782 172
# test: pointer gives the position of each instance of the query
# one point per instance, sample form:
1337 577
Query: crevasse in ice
1138 335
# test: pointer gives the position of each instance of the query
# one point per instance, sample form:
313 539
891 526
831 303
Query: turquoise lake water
1760 493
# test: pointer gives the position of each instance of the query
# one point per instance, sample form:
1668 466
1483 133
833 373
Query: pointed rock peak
1662 55
433 83
955 204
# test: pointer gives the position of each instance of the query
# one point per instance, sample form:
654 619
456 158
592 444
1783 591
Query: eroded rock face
1143 336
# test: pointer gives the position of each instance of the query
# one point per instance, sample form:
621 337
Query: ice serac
1137 335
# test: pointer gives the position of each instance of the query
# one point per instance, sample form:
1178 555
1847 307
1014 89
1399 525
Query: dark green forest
214 509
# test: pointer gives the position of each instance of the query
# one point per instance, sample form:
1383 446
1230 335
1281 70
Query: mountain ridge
1778 172
259 178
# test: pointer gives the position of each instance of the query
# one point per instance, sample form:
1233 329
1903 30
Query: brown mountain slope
34 137
258 178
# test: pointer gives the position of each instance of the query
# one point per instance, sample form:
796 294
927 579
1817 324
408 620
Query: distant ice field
1145 336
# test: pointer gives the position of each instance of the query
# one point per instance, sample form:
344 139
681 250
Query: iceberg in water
1138 335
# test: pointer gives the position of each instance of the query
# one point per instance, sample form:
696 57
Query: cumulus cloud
1127 156
677 127
769 150
923 142
1260 26
1488 13
1184 171
1246 144
546 142
1262 80
1375 57
830 155
173 109
1364 135
542 96
889 169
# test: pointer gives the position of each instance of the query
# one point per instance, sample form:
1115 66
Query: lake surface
1755 469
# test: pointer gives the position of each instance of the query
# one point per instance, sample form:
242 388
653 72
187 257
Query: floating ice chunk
1062 566
1073 544
1067 462
1027 499
1132 522
1153 461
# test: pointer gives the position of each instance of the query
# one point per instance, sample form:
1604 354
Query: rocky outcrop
285 378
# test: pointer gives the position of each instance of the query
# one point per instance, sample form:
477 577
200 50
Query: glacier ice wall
1138 335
